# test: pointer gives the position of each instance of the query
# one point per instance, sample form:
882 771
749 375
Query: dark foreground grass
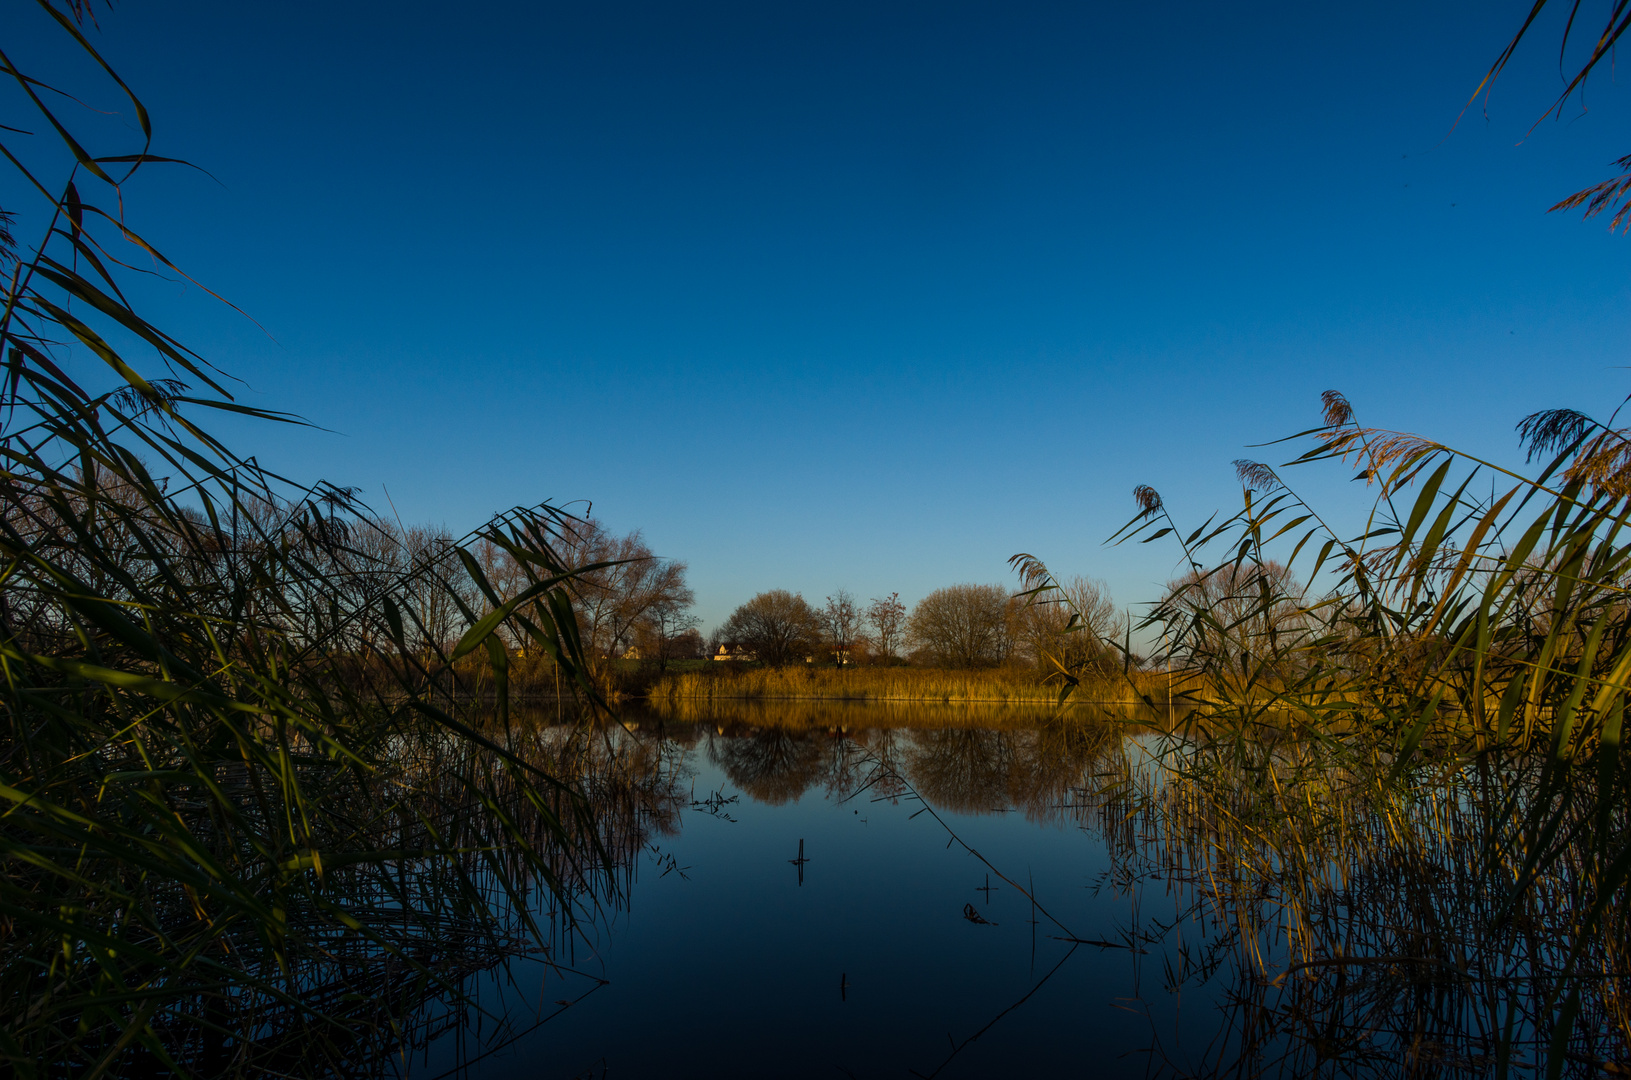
249 824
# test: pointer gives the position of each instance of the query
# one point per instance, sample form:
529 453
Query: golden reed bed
997 686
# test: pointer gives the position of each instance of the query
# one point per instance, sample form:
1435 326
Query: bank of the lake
1001 686
841 716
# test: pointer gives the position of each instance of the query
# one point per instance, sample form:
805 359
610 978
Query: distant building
732 650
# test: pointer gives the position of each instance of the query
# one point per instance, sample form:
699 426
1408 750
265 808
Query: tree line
964 626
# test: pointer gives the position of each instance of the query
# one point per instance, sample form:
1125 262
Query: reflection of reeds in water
1367 931
379 955
890 684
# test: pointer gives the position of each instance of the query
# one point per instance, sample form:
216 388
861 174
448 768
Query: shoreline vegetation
994 686
639 683
851 718
685 720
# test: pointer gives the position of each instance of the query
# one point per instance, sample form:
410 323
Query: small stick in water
800 861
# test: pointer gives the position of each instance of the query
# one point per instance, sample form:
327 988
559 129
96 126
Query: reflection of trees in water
1056 761
961 769
883 752
634 783
849 766
966 769
773 765
1036 770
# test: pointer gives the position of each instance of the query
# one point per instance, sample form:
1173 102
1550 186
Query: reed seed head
1551 430
1148 499
1256 476
1337 410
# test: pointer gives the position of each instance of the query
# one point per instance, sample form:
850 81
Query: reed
894 684
835 715
250 821
1449 632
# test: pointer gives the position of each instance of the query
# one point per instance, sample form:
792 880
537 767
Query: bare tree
666 623
686 645
841 622
779 627
962 626
1068 625
888 618
506 578
432 577
1237 611
614 601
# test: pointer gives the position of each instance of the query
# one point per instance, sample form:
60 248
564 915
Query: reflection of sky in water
735 969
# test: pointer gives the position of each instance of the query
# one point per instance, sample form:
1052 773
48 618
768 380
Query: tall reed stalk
247 809
1450 634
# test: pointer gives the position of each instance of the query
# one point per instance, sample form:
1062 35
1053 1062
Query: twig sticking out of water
800 861
886 772
957 1048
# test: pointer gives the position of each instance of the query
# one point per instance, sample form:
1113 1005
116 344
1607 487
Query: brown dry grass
994 686
841 715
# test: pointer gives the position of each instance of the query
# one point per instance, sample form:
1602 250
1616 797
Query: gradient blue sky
866 294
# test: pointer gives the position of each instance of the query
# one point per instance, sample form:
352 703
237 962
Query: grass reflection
389 952
1360 930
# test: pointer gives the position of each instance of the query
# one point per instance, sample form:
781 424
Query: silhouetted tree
841 622
888 618
668 631
779 628
614 602
962 626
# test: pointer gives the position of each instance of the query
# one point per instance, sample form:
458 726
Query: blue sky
866 295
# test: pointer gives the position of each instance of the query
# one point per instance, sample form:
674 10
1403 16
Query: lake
831 890
856 891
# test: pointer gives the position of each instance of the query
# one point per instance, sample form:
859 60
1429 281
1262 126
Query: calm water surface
892 949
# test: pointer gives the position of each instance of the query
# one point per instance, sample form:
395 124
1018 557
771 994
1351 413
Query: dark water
903 944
